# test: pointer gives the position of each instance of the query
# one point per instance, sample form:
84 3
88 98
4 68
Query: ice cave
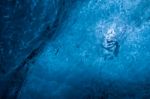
74 49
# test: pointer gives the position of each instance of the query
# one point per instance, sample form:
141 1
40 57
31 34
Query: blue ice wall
79 61
25 27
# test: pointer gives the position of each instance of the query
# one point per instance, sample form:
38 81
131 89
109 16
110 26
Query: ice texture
74 49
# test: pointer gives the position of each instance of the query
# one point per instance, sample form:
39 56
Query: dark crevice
16 78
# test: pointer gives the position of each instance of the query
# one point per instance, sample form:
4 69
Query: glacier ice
74 49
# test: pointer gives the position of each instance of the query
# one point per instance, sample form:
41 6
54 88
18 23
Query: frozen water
82 60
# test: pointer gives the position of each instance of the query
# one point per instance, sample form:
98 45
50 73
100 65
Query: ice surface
71 62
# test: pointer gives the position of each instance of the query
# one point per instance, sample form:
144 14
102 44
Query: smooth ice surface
76 64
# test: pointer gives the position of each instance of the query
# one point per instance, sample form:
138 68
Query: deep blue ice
76 61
